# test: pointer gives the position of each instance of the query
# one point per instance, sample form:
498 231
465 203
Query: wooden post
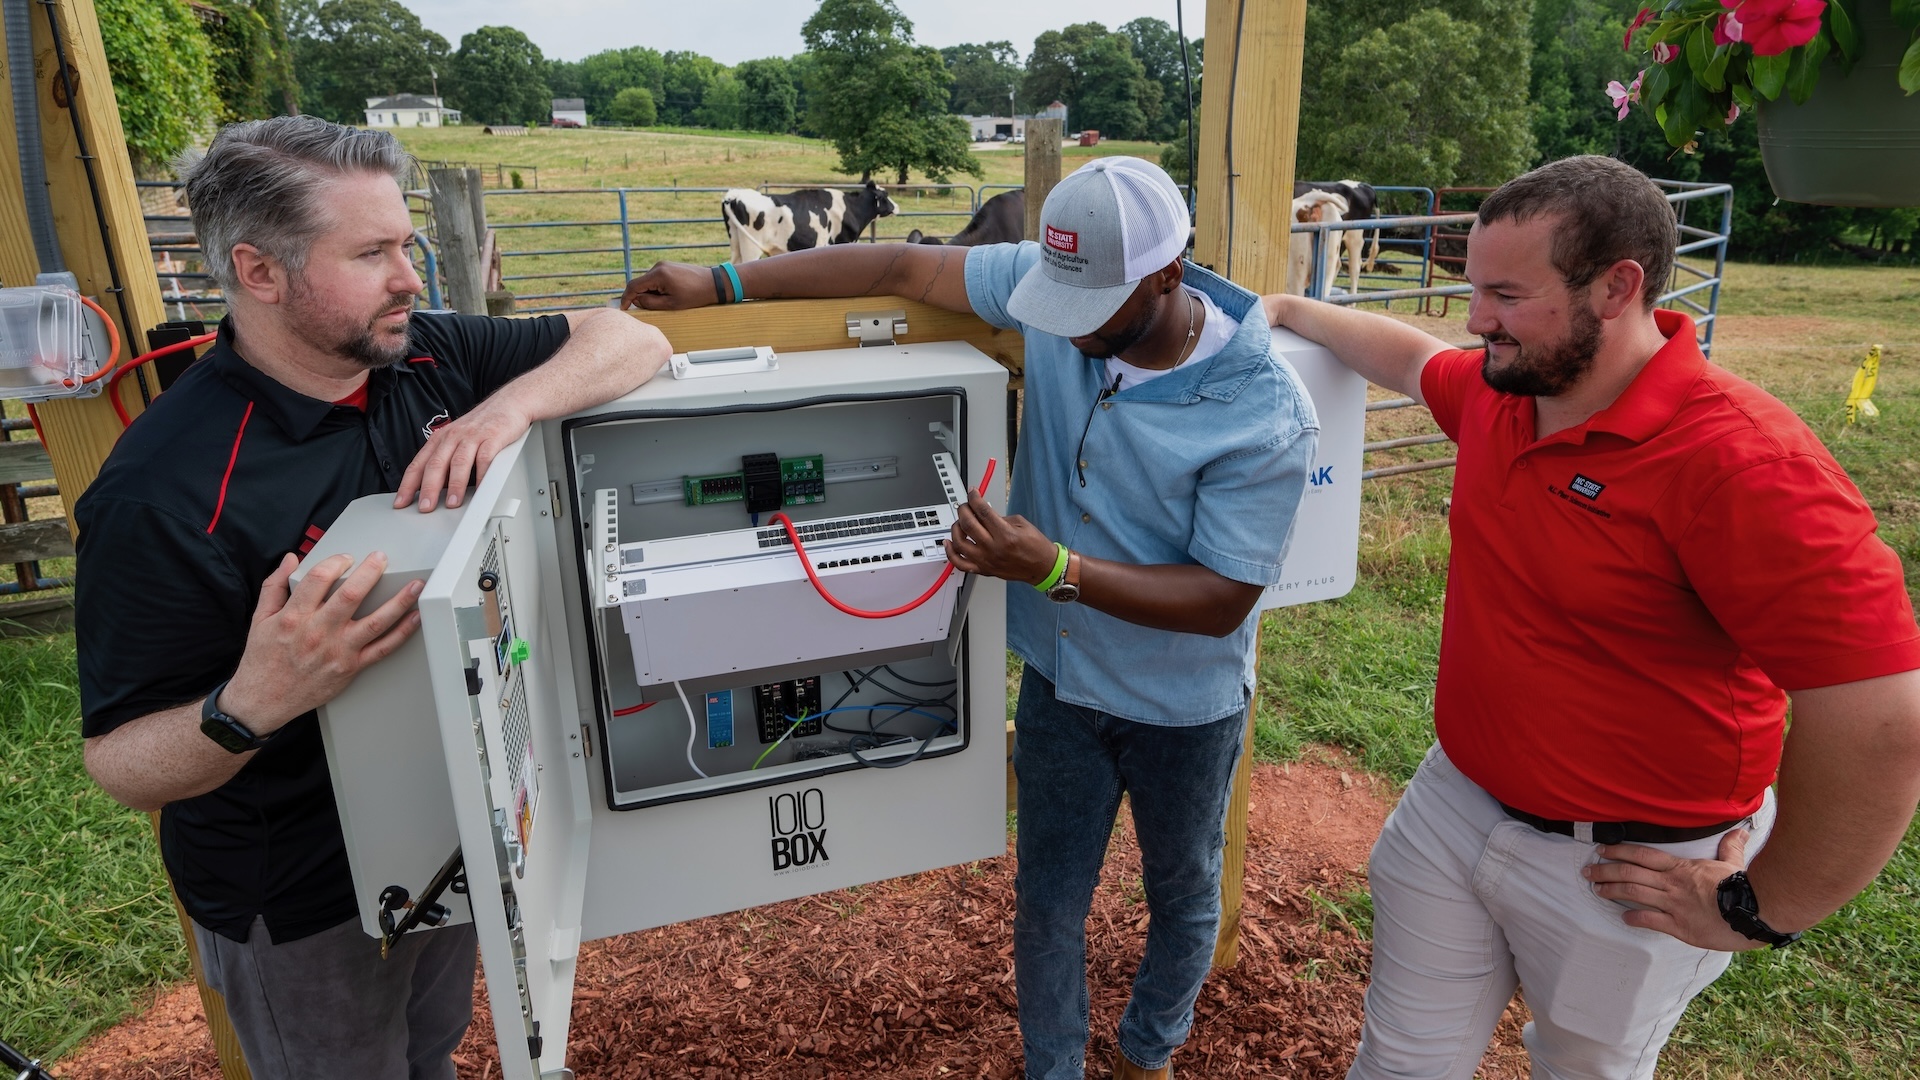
458 238
1255 51
80 432
1043 168
77 106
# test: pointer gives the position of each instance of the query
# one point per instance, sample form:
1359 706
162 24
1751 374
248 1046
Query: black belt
1622 832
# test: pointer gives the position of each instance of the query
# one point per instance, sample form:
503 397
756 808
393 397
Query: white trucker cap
1105 226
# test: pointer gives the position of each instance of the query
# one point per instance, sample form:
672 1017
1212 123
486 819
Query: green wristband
1059 569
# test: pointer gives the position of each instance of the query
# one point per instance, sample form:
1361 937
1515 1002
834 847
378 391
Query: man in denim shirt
1164 453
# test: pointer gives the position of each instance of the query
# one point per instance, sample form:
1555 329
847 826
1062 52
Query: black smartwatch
232 735
1741 909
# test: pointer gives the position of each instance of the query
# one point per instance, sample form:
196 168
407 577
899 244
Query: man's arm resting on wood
606 354
932 275
1849 782
1382 350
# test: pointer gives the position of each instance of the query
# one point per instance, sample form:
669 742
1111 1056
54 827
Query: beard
1108 346
1547 370
360 341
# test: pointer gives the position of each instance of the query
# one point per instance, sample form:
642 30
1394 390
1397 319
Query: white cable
692 730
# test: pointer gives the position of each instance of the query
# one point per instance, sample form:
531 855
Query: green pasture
87 930
580 170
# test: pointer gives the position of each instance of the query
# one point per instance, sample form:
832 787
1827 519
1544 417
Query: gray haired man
199 696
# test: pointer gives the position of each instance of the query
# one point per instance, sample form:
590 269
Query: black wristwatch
232 735
1741 909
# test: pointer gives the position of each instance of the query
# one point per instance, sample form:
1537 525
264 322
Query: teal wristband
1059 569
733 275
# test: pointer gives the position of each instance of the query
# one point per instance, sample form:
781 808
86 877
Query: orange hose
807 565
113 353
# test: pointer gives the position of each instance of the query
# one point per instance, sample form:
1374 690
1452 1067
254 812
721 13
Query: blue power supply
720 720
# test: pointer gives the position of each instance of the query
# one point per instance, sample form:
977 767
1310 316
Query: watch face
1064 593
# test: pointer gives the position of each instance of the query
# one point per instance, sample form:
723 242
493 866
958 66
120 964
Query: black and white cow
760 225
1000 220
1362 205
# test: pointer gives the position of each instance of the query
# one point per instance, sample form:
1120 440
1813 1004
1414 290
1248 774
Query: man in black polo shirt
199 682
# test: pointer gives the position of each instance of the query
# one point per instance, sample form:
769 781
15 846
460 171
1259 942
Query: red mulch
914 978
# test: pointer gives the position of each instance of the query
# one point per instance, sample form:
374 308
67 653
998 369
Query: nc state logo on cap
1062 240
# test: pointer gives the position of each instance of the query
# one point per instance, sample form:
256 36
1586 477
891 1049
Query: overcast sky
734 30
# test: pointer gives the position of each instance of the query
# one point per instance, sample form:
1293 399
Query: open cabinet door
502 686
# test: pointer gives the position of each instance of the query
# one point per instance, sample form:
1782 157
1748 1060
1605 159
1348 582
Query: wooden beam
31 541
36 617
1244 223
1244 183
808 325
1042 149
457 237
23 461
81 431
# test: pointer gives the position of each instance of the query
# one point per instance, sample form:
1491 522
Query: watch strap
1741 909
231 735
1072 575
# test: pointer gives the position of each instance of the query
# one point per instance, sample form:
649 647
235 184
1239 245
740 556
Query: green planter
1856 142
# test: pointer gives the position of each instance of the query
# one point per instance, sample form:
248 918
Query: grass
86 928
86 925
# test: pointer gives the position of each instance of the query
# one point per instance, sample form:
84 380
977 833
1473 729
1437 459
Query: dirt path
914 978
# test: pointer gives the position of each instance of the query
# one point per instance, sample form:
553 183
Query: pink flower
1728 30
1638 21
1733 114
1774 26
1624 96
1664 53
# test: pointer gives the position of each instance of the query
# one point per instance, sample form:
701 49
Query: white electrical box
629 703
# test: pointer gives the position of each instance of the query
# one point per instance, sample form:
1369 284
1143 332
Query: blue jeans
1072 765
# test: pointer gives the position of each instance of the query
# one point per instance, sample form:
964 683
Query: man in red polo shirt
1649 556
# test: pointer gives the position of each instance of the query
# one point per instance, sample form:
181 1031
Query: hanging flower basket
1834 82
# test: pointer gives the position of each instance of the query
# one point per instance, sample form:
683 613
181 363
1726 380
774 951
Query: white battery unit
630 704
1324 558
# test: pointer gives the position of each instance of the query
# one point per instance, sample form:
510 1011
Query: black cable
1233 92
1186 70
93 185
888 668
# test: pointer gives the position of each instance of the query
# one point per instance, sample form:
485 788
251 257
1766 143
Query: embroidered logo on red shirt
1062 240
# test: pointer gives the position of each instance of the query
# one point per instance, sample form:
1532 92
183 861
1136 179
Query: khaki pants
1468 902
327 1006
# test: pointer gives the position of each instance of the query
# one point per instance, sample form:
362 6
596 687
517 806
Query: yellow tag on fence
1860 398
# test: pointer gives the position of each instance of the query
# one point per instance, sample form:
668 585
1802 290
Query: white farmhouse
409 110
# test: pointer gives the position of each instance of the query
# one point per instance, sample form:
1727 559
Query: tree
1094 72
721 106
1157 46
566 78
252 60
983 77
767 94
1432 100
500 77
604 74
350 50
633 107
879 98
684 87
162 76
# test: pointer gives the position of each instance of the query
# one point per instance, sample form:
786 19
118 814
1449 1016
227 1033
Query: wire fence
569 248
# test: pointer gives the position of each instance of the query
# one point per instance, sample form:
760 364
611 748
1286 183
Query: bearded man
200 672
1650 556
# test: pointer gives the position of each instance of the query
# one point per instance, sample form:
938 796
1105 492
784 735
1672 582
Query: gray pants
327 1006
